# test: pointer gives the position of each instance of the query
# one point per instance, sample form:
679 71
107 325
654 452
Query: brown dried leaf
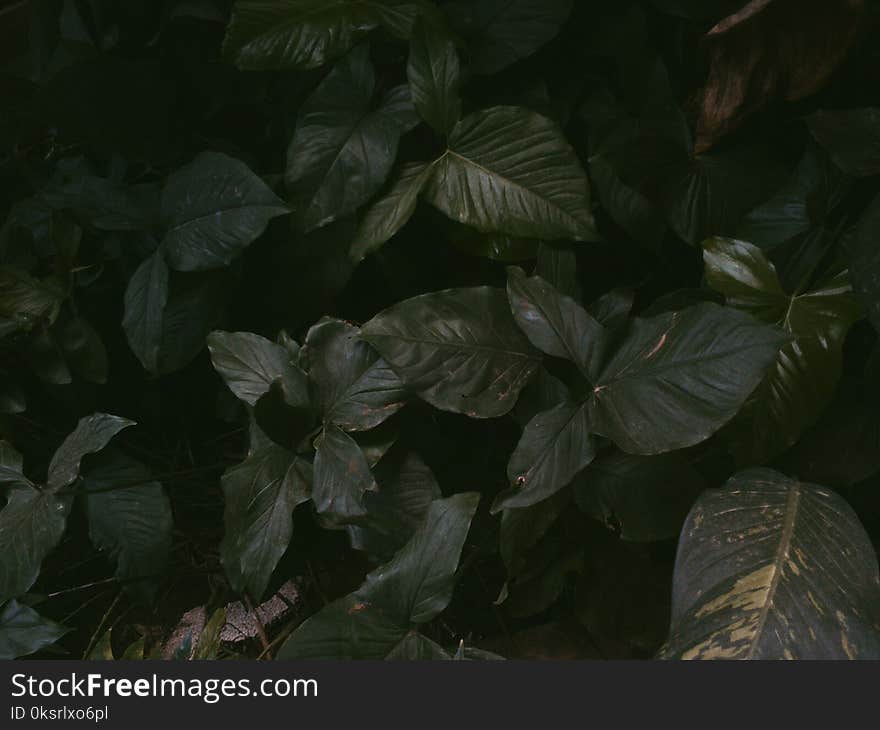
771 50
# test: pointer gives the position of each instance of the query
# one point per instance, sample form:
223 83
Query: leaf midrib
791 510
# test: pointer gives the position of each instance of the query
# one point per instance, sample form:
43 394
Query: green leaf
193 310
396 510
23 631
84 350
510 170
260 495
31 525
130 520
434 77
554 447
342 476
772 568
804 377
26 300
501 32
802 205
851 137
865 261
555 323
250 364
391 211
708 195
458 349
208 645
355 388
145 300
343 148
307 33
348 628
12 467
645 498
213 208
411 589
91 434
523 528
676 378
415 647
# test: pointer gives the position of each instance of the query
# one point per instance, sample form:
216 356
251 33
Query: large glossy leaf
802 205
145 300
554 447
260 495
344 146
805 374
434 77
676 378
411 589
772 568
510 170
270 34
555 323
355 388
213 208
644 498
391 211
342 476
501 32
250 364
23 631
459 349
398 508
130 520
31 525
91 434
851 137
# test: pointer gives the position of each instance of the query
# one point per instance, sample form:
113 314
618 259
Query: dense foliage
477 328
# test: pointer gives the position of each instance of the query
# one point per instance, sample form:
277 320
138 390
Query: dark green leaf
398 508
130 520
355 388
213 209
556 323
250 364
343 148
459 349
269 34
23 631
25 300
412 589
771 568
84 350
11 467
645 498
145 300
554 447
389 213
260 494
501 32
678 377
434 77
805 374
31 525
91 434
415 647
865 261
510 170
342 476
851 137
